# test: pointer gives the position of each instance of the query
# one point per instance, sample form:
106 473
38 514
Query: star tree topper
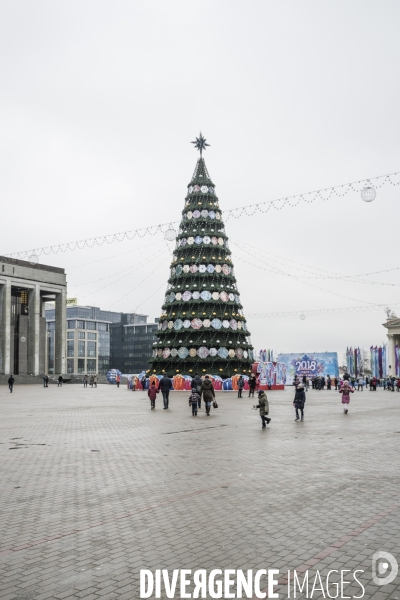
200 143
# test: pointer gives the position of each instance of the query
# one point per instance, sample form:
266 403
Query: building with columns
24 290
393 332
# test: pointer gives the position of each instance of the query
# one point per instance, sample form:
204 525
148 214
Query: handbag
215 405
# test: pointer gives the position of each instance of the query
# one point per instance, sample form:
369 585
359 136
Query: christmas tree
202 328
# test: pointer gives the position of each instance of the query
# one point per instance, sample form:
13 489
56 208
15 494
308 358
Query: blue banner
311 365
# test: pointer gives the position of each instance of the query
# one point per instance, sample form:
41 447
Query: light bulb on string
368 194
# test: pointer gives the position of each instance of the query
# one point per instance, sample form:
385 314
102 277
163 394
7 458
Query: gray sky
99 101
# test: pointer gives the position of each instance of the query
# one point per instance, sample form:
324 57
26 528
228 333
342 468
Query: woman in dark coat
207 389
299 401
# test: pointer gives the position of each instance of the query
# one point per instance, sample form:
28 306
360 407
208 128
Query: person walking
118 379
335 381
193 401
165 386
91 381
366 382
85 381
45 381
263 406
372 385
207 389
328 383
60 381
240 386
299 401
95 380
360 384
252 385
143 382
152 394
11 381
197 383
346 390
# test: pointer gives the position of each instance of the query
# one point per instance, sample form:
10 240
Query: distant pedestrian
240 384
91 381
208 392
328 383
372 385
299 401
85 381
165 386
45 381
194 401
366 382
143 382
11 381
118 380
152 394
360 384
95 380
263 406
335 381
346 390
252 385
60 381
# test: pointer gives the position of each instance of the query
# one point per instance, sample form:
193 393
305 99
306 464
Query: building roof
25 263
392 323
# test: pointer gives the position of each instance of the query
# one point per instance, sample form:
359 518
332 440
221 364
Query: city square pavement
95 487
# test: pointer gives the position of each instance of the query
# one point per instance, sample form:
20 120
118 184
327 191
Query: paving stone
167 490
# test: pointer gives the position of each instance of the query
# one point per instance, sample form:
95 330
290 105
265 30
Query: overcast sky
99 101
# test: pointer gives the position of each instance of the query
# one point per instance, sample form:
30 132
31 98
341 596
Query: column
391 361
34 330
5 337
60 334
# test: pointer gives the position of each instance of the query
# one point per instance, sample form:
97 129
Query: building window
102 326
91 348
81 348
70 348
70 365
91 365
91 336
81 335
70 335
81 365
90 325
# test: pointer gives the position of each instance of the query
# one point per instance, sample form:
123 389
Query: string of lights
119 272
320 311
293 276
367 187
110 256
308 269
137 267
135 288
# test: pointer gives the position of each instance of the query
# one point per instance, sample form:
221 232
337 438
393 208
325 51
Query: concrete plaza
95 487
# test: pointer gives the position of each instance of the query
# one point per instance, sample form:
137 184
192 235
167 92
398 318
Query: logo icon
381 561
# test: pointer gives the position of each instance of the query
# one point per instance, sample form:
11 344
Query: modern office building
91 335
132 345
25 287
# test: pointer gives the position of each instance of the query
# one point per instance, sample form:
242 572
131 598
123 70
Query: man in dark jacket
165 385
240 386
207 390
196 384
252 384
11 383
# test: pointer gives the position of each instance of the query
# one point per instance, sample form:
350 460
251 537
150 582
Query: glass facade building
132 346
89 333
